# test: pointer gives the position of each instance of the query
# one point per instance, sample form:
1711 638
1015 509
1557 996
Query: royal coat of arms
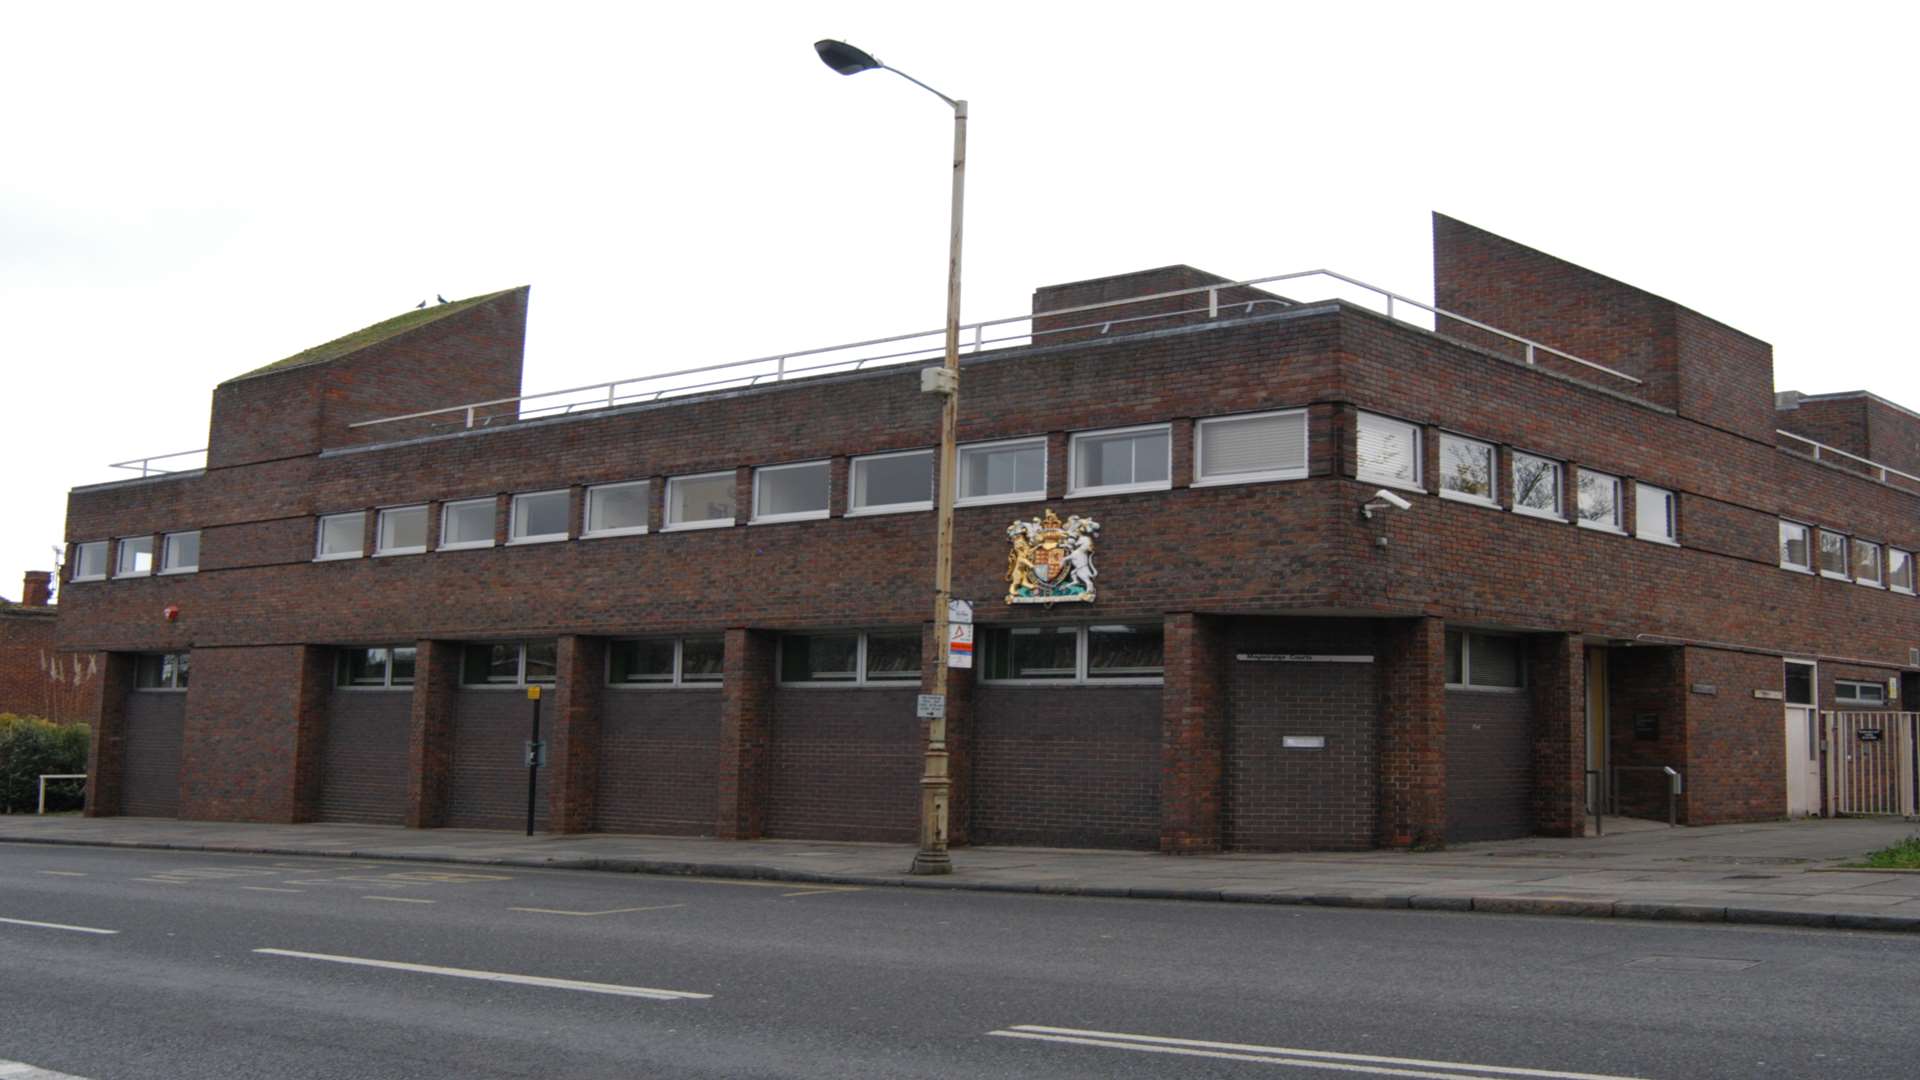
1050 561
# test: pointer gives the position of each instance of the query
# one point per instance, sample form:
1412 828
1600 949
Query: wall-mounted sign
1050 561
1303 742
1646 726
960 645
1770 695
960 611
1706 688
1868 734
1299 658
930 707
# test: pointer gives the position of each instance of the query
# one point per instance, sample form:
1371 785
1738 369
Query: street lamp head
844 58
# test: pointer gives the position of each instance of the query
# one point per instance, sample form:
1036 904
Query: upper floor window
400 530
1484 660
1599 502
509 663
693 661
342 536
1833 555
1466 470
705 501
1536 486
1653 514
851 659
1899 570
1852 692
180 552
90 560
1002 472
1128 459
888 482
617 509
790 492
1796 546
538 517
1235 449
136 557
1387 452
1866 563
467 523
1100 653
379 667
161 671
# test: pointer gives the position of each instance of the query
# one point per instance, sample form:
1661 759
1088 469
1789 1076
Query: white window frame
755 517
386 677
165 563
586 510
1200 477
991 500
79 558
1645 493
1081 652
513 518
1492 498
668 524
853 484
446 511
679 681
380 549
1806 536
520 672
1879 580
1559 512
1845 573
1908 556
1466 662
860 679
120 550
1074 490
1856 685
1616 526
320 535
1419 484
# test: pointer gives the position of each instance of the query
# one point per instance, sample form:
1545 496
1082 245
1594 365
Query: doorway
1802 740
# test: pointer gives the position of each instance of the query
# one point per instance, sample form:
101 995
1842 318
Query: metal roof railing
145 466
1822 452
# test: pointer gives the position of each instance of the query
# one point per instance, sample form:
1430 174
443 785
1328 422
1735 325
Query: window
1101 653
1850 692
538 517
180 552
851 659
885 483
1484 661
379 668
1387 452
1131 459
509 663
1833 555
1796 551
467 523
136 557
617 509
1866 563
342 536
90 561
700 502
1466 470
161 671
400 530
1899 570
1536 486
1653 514
1799 685
790 492
666 662
1599 502
1235 449
1002 472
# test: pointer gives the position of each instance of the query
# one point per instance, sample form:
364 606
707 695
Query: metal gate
1869 762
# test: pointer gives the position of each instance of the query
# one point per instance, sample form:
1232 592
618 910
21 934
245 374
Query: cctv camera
1395 501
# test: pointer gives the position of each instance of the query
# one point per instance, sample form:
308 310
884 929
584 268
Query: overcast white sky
192 190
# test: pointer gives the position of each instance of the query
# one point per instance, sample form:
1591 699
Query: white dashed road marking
57 926
609 911
20 1070
401 899
496 976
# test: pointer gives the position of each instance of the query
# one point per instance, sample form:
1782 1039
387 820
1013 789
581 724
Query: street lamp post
936 784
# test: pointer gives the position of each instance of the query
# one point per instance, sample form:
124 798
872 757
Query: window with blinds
1235 449
1489 661
1387 452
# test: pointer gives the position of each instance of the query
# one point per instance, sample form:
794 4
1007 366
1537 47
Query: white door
1803 761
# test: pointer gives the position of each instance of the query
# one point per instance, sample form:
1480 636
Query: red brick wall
35 678
1490 767
1068 766
659 756
250 744
844 764
364 757
1113 318
1736 746
1648 681
1413 734
487 781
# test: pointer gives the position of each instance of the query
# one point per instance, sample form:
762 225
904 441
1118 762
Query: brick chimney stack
37 590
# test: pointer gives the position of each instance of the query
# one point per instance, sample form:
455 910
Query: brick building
36 679
1613 554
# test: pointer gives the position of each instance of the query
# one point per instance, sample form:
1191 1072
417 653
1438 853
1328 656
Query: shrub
29 747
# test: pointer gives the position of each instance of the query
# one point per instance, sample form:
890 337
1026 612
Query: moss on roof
373 335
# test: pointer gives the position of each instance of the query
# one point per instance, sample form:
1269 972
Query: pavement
1779 873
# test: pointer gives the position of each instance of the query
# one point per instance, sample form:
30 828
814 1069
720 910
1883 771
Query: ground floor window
1101 652
509 663
851 658
376 667
161 671
1491 661
693 661
1849 692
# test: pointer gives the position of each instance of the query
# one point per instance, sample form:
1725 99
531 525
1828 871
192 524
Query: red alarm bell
171 612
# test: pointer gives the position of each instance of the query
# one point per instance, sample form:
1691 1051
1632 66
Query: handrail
1599 802
1820 448
1673 788
44 777
145 464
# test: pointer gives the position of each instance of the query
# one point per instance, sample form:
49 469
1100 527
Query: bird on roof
419 305
440 298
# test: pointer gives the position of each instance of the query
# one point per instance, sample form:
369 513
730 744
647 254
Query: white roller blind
1388 451
1253 444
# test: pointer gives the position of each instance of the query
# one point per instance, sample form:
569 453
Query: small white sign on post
960 611
930 707
960 645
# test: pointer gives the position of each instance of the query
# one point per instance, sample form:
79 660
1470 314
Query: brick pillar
312 699
573 740
105 711
959 736
1413 734
436 679
1180 465
746 723
1192 737
1558 678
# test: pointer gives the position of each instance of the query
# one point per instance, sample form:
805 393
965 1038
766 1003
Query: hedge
30 746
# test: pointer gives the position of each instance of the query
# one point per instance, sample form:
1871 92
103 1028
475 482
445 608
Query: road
257 966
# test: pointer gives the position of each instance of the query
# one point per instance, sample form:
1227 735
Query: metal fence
1869 766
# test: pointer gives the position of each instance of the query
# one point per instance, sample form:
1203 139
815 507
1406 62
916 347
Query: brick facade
36 678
